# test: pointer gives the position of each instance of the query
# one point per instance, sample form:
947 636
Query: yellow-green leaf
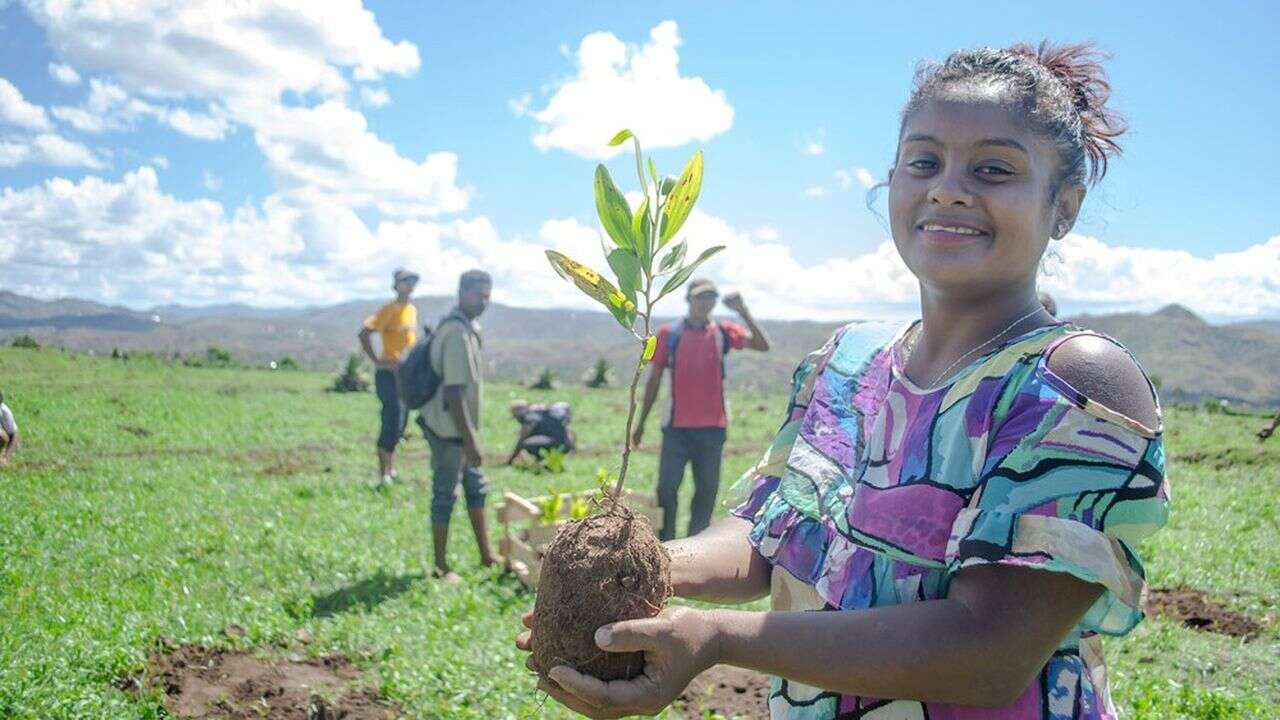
650 346
595 285
621 137
683 273
681 199
612 207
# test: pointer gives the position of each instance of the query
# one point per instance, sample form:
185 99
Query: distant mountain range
1190 357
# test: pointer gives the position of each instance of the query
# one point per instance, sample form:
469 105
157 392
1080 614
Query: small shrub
26 341
599 375
352 378
551 507
546 380
287 363
552 460
1214 406
217 356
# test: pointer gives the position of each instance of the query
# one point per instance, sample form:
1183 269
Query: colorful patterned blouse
876 492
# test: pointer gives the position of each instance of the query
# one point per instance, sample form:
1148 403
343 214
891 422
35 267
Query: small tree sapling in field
611 567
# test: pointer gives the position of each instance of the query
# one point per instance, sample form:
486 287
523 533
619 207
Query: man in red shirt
694 430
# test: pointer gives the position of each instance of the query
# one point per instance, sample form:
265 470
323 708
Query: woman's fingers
571 701
523 641
631 695
527 619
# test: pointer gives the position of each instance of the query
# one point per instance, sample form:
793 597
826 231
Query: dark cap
402 275
701 286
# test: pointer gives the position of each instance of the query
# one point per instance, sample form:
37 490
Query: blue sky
238 173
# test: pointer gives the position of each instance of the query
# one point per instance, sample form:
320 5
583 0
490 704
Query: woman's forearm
982 645
719 565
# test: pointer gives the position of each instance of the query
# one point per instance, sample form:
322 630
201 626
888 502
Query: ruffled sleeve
1067 486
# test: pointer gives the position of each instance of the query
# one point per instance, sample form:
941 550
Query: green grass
152 500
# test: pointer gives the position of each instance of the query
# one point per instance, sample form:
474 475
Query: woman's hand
677 645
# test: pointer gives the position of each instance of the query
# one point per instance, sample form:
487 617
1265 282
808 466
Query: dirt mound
1200 611
728 691
234 685
597 571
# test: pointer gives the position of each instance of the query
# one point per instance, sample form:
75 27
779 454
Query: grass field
152 500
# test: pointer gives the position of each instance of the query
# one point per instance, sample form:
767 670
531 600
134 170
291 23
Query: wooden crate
525 535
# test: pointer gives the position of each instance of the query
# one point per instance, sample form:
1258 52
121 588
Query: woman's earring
1060 230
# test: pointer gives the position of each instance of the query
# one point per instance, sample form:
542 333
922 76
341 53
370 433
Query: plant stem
635 382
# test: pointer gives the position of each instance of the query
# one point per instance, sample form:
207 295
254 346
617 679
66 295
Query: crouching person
543 428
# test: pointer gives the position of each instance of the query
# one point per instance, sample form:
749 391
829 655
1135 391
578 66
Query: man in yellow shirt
396 324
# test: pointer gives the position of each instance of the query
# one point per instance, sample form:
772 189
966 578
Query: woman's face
971 196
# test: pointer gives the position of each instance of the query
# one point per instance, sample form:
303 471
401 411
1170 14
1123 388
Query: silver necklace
915 339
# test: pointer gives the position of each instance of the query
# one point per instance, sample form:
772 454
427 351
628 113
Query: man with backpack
396 326
451 419
694 430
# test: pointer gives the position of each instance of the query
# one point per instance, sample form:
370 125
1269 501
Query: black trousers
703 448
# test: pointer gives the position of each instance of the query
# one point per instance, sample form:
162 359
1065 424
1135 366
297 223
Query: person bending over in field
963 496
8 432
396 326
542 428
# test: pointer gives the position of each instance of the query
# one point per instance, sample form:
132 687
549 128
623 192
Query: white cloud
210 48
131 242
816 191
211 182
109 108
244 60
845 178
15 110
47 149
520 106
816 145
640 88
328 150
160 161
1230 284
866 177
197 125
375 97
64 73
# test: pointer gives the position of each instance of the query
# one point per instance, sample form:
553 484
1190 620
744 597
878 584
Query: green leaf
641 229
674 257
682 275
667 184
650 346
594 285
626 318
653 174
626 266
612 207
681 199
620 138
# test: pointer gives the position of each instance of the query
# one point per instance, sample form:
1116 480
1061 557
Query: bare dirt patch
1200 611
217 684
728 691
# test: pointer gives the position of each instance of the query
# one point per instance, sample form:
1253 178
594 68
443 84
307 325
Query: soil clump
597 571
1200 611
219 684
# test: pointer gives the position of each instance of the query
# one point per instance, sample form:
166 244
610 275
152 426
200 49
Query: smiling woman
964 494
